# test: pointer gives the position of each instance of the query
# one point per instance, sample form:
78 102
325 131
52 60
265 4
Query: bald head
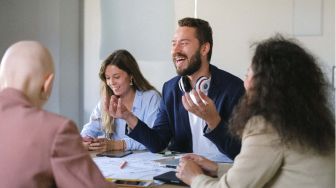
27 66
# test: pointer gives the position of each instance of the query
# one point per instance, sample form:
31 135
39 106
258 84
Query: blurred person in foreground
287 130
38 148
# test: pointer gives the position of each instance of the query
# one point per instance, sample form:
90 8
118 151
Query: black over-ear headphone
202 84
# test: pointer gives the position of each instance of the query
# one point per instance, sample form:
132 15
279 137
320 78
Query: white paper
140 166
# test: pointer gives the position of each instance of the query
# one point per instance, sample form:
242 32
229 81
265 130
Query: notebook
170 178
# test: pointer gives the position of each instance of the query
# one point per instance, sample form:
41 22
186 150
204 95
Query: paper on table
140 166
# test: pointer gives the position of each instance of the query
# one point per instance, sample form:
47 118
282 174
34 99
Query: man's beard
193 66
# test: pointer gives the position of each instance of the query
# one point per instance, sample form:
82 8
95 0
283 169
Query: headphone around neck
202 84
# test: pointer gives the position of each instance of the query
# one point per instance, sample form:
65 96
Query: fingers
120 107
187 170
116 107
193 99
106 102
112 108
202 106
205 99
196 103
98 146
180 171
93 144
188 103
87 139
191 156
200 160
86 145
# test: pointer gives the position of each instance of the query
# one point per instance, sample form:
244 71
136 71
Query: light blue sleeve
151 109
150 102
133 144
93 128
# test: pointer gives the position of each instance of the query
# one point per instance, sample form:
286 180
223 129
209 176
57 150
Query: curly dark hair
203 31
289 90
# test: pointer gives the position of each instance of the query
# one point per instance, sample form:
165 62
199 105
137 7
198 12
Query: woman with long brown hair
121 77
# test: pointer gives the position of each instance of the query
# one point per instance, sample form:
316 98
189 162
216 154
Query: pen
170 166
123 164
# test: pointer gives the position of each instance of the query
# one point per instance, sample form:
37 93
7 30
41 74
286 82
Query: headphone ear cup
180 83
202 84
184 84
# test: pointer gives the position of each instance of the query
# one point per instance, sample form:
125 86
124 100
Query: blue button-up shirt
145 107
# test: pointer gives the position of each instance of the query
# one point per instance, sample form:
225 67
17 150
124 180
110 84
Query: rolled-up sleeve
93 128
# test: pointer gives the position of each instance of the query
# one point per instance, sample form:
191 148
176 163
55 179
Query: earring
131 83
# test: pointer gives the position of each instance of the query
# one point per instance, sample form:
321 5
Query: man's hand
202 106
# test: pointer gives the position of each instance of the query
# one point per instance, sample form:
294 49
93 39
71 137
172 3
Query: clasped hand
192 165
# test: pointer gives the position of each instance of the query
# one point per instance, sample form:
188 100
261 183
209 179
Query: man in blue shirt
196 104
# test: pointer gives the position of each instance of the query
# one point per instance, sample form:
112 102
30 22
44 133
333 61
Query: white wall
56 24
92 34
236 25
156 70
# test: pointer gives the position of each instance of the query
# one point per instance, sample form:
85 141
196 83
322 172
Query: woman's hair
126 62
289 90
